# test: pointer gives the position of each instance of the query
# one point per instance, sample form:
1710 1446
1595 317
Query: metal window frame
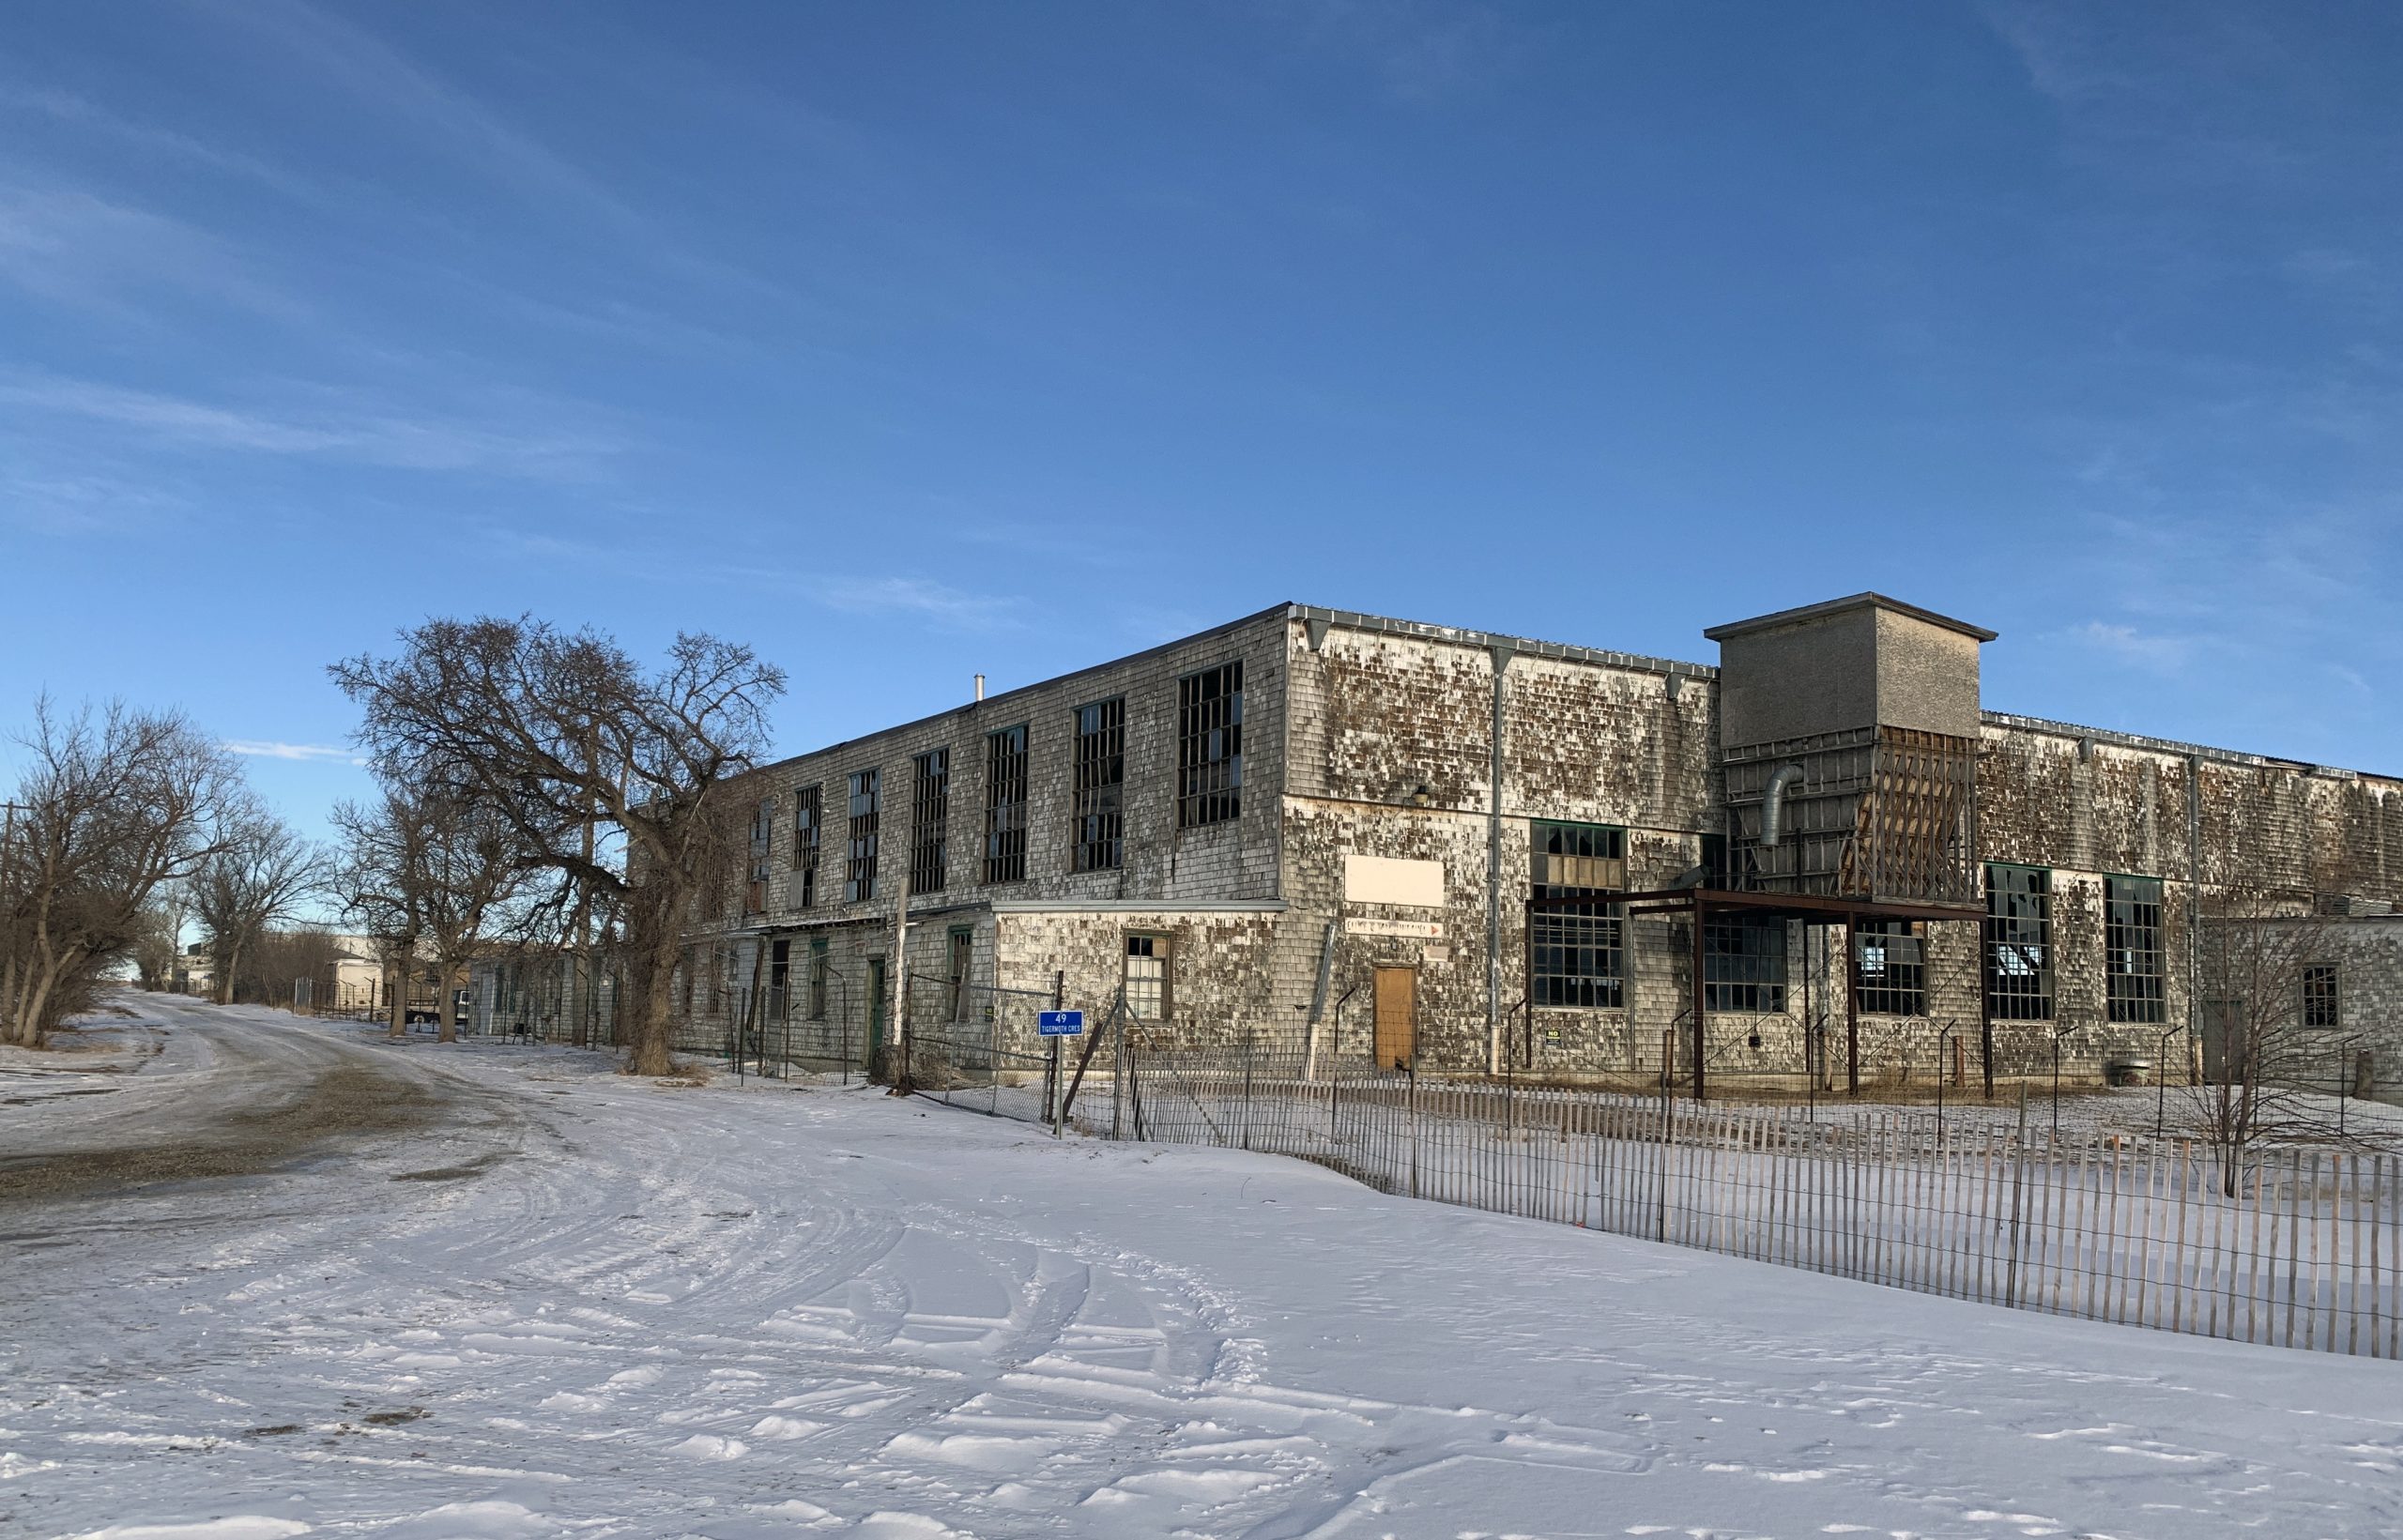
2135 964
2035 1001
1097 834
1165 941
930 818
1577 950
1209 745
1005 822
2322 1007
1742 973
820 967
1900 986
808 828
859 873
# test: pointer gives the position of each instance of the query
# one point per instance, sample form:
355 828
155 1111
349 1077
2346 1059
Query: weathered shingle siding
1376 736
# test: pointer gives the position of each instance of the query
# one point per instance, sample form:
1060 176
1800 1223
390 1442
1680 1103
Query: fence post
2018 1184
1247 1090
1411 1070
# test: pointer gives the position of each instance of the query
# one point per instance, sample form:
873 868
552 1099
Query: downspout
1503 654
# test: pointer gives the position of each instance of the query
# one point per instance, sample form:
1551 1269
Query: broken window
817 970
806 817
779 978
859 876
2319 1002
1146 982
929 816
1889 968
1209 746
964 957
2132 949
1580 947
1005 805
1743 964
1100 785
763 834
2019 942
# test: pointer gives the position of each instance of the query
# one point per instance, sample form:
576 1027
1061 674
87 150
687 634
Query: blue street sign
1059 1023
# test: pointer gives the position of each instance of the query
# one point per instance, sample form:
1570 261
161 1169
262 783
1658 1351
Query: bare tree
441 867
557 732
262 871
113 809
281 956
2256 954
373 883
159 942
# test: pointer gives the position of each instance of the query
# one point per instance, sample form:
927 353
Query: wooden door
2223 1045
875 1011
1397 1015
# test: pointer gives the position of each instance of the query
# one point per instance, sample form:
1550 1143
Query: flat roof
1839 606
1385 625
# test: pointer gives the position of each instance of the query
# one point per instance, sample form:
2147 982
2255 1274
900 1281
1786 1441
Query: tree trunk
447 1011
651 1033
396 998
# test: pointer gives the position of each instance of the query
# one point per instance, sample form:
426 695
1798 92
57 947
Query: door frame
1410 1024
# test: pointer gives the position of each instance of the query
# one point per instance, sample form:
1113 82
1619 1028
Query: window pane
1209 746
1579 958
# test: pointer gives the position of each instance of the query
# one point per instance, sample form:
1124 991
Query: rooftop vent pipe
980 687
1773 803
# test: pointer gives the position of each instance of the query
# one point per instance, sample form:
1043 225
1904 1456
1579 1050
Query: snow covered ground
509 1293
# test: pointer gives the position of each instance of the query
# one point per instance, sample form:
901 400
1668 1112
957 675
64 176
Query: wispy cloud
924 599
916 596
2129 648
66 108
377 77
358 435
56 502
319 752
67 246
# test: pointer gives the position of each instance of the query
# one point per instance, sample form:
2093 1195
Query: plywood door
1396 1012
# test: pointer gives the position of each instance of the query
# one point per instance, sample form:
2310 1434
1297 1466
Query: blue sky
910 340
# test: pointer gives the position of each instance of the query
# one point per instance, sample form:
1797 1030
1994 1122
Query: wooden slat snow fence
2305 1252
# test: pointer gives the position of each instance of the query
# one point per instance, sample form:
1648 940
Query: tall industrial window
1147 984
929 818
2320 1002
807 816
1100 785
818 968
1209 746
763 834
1743 964
859 876
1005 805
2019 944
2132 948
779 978
1580 947
1889 968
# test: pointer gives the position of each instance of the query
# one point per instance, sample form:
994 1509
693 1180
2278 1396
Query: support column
1852 1010
1700 912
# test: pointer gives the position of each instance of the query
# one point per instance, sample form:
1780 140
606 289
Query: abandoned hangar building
1469 852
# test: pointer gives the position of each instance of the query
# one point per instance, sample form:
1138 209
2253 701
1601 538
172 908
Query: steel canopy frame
1810 908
